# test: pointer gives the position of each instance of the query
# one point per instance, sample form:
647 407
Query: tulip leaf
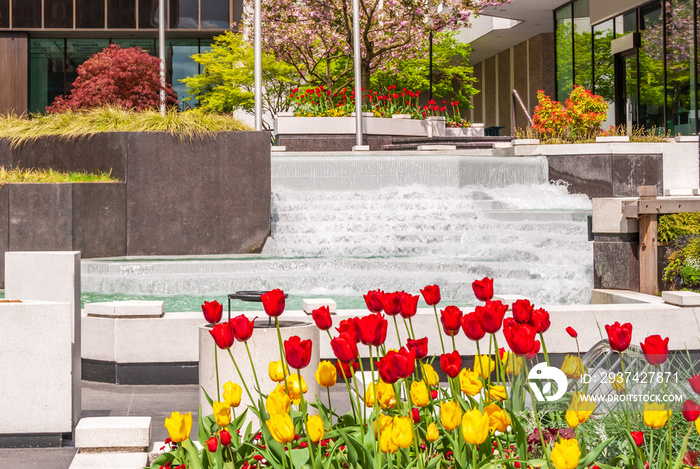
520 433
163 459
206 395
592 455
299 457
193 453
681 453
202 433
536 462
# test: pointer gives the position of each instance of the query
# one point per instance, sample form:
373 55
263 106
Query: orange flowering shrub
550 119
579 118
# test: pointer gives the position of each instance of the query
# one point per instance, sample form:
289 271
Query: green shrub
678 224
683 270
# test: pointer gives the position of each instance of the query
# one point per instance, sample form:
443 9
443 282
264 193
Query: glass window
121 14
4 13
179 65
184 14
26 13
47 80
629 22
148 45
603 67
77 52
563 47
90 14
215 14
651 70
680 83
583 45
148 14
58 13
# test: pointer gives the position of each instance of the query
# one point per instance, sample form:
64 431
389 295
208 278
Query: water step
109 461
456 145
127 434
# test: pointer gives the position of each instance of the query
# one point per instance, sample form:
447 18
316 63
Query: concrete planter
263 349
472 131
289 125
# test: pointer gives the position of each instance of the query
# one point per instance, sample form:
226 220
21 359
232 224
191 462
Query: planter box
286 125
472 131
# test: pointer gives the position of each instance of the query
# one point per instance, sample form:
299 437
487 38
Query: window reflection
148 14
679 63
58 13
604 68
184 14
180 65
651 70
215 13
563 47
583 45
4 13
90 14
26 13
77 52
121 14
47 80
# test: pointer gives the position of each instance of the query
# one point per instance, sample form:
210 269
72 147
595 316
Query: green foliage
79 124
683 270
19 175
226 83
674 225
451 70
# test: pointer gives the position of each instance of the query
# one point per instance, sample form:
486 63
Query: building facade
42 42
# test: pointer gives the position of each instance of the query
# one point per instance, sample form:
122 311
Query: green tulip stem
545 447
357 391
474 456
458 446
252 366
415 442
408 332
330 406
398 336
352 401
668 415
478 349
454 345
544 349
216 363
651 441
305 420
410 323
250 396
282 357
376 398
439 328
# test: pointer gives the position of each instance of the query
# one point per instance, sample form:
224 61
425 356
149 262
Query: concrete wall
527 68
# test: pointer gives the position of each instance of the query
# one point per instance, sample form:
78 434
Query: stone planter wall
205 196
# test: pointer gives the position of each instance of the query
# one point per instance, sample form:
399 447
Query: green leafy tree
451 70
226 83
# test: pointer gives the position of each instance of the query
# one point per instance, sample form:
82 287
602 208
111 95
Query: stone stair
112 443
460 143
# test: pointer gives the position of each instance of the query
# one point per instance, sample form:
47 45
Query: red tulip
520 337
431 294
619 336
297 352
222 334
522 310
346 370
373 300
695 383
483 289
420 346
471 327
349 328
572 332
415 413
345 348
213 310
638 438
451 319
490 316
372 329
535 350
655 349
212 443
273 302
691 410
409 305
540 320
241 328
225 437
395 365
451 363
392 303
322 318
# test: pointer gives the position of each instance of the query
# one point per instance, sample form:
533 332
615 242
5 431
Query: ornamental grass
480 416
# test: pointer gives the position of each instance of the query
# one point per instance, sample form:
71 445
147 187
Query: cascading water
343 225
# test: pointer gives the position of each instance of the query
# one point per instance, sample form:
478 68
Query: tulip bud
273 302
281 427
450 415
432 433
222 413
276 371
212 310
232 394
655 415
212 443
566 454
316 430
326 374
475 427
179 426
419 394
225 437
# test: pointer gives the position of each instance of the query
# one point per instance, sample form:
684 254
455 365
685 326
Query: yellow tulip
281 427
572 367
278 402
655 415
514 364
565 454
326 374
450 415
386 443
484 365
432 434
498 393
475 427
697 425
222 413
179 426
295 387
469 382
316 430
383 420
420 396
618 382
232 394
431 375
402 432
385 392
499 420
276 371
579 410
370 398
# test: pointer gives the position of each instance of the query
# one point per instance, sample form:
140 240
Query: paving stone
109 461
93 433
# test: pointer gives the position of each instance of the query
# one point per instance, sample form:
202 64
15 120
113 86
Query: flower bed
481 416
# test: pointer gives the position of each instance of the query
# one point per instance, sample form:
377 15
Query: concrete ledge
681 298
309 305
601 296
609 216
113 433
141 373
109 461
437 147
126 309
613 139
